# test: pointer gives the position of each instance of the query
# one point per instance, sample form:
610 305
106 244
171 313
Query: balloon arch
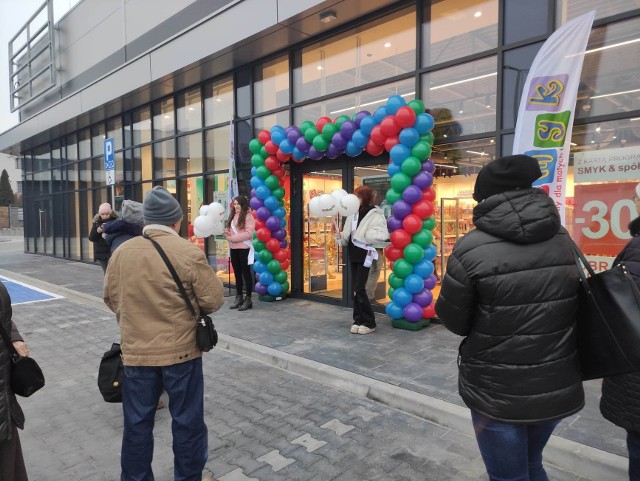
400 128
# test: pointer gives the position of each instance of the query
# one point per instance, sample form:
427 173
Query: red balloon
258 223
390 142
282 157
429 194
389 127
412 224
400 238
322 121
377 137
428 312
273 245
405 117
280 255
374 149
272 163
264 136
271 148
263 234
284 265
393 253
281 182
423 209
279 172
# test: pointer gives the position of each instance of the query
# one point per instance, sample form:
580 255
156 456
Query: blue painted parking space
24 293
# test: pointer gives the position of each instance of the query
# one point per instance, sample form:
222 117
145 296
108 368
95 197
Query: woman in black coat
620 402
101 251
12 466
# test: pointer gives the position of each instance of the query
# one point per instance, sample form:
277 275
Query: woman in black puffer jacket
511 288
620 402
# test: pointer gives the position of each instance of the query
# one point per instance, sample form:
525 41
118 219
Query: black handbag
25 375
206 335
608 323
110 374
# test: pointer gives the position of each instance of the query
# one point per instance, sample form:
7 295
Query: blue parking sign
109 161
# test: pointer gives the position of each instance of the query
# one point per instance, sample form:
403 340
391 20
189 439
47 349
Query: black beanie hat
506 173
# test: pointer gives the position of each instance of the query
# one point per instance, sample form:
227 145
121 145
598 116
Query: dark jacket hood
524 216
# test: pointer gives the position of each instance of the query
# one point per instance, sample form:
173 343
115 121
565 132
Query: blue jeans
512 452
141 389
633 446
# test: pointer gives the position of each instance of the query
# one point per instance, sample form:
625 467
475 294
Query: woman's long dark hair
244 209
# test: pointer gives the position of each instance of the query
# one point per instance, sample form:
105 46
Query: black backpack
110 374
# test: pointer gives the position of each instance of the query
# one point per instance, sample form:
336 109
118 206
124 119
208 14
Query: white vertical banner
232 182
546 114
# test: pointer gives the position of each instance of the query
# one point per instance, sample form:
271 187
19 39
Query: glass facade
466 60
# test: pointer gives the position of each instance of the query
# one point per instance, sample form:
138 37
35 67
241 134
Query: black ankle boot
238 302
247 304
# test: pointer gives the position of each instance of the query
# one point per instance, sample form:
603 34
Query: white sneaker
365 330
354 329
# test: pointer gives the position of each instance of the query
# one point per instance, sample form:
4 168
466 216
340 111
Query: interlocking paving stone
337 427
309 443
276 460
236 475
363 413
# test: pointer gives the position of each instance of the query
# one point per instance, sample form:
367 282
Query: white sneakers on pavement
365 330
354 329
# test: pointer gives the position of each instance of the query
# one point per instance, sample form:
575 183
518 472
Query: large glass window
164 159
97 165
457 29
72 148
568 9
141 120
84 174
375 51
84 144
217 246
114 131
190 154
271 85
514 74
268 121
41 158
218 102
189 110
525 19
142 164
462 98
97 139
163 121
217 148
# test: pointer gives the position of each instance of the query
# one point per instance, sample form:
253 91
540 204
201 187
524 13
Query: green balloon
400 181
310 134
411 166
341 120
328 130
429 223
263 172
393 196
278 192
320 143
258 245
279 276
395 281
272 182
305 125
414 253
390 292
417 106
422 238
402 268
285 286
421 150
257 160
265 256
273 266
428 138
255 146
263 153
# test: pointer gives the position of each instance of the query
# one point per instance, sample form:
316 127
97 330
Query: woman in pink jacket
239 232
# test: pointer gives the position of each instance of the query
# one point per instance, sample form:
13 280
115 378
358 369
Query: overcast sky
13 15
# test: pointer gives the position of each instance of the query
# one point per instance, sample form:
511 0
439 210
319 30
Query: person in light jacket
239 232
361 231
511 289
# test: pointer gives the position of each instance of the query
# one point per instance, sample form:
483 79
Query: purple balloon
284 243
292 136
393 223
272 223
333 152
430 282
260 289
423 298
339 141
423 180
428 166
412 194
302 144
256 203
412 312
314 154
360 116
280 234
253 193
263 213
347 129
401 209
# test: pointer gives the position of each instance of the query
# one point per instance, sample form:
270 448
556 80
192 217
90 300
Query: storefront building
185 83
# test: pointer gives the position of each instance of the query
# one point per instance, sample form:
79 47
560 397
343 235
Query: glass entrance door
42 225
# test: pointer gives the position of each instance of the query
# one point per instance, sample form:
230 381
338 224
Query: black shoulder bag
25 375
206 335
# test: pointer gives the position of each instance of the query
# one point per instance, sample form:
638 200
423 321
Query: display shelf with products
454 218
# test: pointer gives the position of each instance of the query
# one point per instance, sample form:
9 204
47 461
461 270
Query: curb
580 459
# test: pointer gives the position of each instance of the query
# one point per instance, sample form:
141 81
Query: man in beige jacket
158 338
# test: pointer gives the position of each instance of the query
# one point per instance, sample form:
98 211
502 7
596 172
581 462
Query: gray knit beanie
160 207
131 211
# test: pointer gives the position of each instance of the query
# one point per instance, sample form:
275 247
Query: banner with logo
545 117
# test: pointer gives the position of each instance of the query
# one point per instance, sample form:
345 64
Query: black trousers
242 271
362 311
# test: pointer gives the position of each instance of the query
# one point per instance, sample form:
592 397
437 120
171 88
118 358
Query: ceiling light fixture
478 14
615 93
387 45
476 152
450 84
328 16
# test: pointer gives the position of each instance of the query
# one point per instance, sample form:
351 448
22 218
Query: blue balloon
402 296
265 278
380 114
279 212
256 182
283 223
414 283
409 136
297 153
352 149
259 266
275 288
286 146
393 169
367 124
359 138
393 310
430 252
424 123
262 192
271 203
424 268
277 134
399 152
394 103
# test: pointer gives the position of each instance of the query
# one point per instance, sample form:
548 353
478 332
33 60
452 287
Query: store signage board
607 165
109 162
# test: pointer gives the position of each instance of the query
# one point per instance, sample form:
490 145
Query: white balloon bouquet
210 221
338 202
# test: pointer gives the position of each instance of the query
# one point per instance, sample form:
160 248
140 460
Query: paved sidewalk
412 371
